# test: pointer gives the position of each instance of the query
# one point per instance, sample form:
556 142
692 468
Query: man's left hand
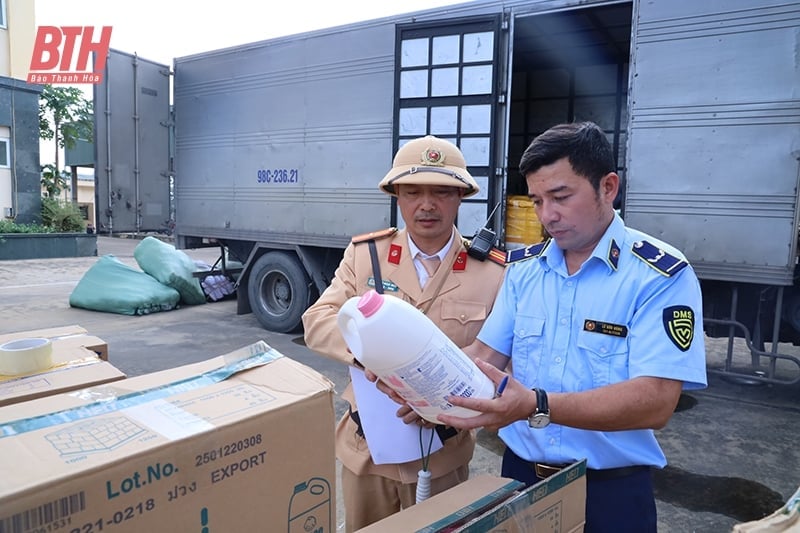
516 403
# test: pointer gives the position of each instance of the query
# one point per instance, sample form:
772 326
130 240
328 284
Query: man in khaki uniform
429 179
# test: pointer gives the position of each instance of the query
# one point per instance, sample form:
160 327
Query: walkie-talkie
483 241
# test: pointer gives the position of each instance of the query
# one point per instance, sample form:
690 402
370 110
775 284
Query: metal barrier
756 372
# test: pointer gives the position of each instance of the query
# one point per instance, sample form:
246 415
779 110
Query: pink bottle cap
369 303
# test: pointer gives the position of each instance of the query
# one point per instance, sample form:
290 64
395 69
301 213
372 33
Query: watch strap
542 406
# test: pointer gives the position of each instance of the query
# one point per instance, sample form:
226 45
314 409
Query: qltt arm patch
679 325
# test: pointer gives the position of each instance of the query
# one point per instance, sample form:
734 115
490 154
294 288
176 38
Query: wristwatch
541 416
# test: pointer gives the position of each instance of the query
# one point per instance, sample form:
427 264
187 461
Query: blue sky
160 30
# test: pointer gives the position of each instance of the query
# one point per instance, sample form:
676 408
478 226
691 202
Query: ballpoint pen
502 386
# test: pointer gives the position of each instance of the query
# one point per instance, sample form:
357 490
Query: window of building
3 23
5 156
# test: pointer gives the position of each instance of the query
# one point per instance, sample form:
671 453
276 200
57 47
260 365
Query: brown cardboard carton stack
490 504
79 360
242 442
64 336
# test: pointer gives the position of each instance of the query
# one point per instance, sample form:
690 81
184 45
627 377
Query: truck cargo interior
569 66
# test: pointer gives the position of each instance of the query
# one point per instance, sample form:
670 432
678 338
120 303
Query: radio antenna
491 214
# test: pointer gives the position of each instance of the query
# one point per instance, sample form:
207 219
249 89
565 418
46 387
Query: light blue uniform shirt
613 320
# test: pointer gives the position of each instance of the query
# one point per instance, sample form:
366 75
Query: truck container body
279 145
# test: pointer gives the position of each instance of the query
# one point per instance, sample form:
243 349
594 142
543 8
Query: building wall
86 198
21 33
20 187
5 179
19 112
85 189
5 47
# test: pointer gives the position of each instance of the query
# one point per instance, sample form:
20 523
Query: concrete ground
733 448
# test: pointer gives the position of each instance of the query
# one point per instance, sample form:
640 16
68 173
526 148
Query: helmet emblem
433 158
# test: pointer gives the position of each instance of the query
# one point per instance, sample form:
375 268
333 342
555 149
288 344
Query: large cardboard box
79 360
491 504
63 336
242 442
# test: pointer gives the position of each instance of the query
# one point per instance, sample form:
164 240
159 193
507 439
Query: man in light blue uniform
602 325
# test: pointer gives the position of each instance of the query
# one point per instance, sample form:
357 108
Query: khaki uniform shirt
459 308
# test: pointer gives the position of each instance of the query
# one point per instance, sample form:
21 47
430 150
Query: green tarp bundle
114 287
170 266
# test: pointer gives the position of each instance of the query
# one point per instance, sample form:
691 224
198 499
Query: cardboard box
67 336
79 361
246 444
490 504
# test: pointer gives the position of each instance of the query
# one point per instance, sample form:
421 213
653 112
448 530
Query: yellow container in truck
522 224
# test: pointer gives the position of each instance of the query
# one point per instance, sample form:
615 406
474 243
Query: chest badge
387 285
605 328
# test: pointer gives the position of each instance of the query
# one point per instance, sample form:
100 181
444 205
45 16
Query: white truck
273 150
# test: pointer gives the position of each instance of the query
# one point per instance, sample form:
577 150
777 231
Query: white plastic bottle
403 347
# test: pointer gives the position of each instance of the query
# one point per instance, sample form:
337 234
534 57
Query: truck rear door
132 146
713 135
446 85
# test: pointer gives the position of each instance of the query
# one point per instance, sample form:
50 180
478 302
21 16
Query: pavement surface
733 448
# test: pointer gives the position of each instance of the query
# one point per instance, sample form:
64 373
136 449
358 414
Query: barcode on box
44 514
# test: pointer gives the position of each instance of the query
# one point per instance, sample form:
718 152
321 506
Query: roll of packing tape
24 356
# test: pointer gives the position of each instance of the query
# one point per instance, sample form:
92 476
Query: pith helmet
429 161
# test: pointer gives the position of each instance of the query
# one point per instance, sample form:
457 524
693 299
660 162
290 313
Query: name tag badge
606 328
387 285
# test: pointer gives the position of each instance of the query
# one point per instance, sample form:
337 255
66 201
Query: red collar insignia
395 251
461 261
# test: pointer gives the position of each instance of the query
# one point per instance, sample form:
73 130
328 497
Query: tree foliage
9 226
64 117
53 180
61 216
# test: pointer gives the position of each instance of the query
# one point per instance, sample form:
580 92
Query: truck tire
279 291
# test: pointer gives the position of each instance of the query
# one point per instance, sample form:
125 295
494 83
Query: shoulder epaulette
521 254
661 261
497 256
374 235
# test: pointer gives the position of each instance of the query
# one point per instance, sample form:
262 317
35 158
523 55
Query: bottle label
438 371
